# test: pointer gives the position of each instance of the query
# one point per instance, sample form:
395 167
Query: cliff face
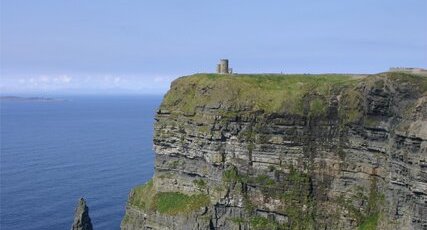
288 152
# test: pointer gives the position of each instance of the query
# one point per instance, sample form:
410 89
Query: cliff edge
288 152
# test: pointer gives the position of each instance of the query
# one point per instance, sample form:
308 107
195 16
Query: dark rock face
359 162
81 217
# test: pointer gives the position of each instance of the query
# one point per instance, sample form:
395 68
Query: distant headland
29 99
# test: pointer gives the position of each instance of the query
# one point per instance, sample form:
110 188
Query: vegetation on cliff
270 93
145 197
303 95
174 203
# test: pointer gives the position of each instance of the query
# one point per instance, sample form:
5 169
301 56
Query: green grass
368 216
142 196
200 184
238 220
230 175
318 107
370 222
305 95
351 109
145 197
259 222
296 197
418 81
174 203
264 180
270 93
297 178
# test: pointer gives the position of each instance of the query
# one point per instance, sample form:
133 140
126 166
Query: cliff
288 152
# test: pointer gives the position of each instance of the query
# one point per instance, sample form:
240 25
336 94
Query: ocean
52 153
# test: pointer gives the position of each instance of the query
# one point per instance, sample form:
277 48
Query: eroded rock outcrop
288 152
81 217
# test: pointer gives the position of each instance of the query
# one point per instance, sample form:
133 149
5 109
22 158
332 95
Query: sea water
52 153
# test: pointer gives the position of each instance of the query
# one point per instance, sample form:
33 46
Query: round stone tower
223 66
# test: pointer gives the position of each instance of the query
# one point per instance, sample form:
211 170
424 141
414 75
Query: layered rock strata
288 152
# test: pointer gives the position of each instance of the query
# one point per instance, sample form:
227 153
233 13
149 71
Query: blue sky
100 46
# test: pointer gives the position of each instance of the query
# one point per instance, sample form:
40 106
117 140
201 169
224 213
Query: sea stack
81 217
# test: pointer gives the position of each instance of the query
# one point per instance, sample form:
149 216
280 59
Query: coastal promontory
238 151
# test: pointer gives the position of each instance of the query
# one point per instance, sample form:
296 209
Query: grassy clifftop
269 93
257 92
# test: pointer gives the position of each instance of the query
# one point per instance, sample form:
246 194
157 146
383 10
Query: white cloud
44 79
139 83
64 78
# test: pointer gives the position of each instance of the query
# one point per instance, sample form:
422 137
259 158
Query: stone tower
222 67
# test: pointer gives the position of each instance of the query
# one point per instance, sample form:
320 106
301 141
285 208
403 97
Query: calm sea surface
52 153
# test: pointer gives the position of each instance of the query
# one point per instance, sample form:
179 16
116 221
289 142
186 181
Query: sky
127 47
